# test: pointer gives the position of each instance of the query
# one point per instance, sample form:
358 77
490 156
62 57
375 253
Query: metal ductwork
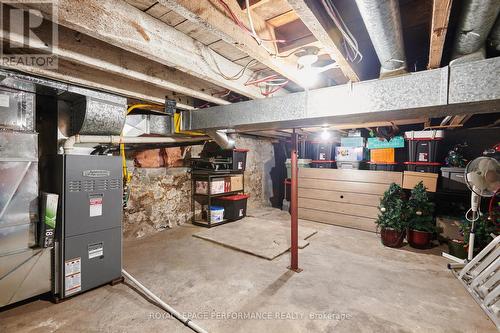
116 140
469 88
222 139
383 23
494 39
476 21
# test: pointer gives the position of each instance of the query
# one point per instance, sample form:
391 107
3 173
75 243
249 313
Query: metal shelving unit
205 199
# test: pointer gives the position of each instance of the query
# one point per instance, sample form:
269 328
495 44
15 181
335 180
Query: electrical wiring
254 33
251 31
349 41
272 91
236 76
264 79
243 26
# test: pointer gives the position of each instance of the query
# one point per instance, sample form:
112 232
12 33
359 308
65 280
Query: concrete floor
350 283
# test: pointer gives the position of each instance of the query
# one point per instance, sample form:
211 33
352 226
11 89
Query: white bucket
216 214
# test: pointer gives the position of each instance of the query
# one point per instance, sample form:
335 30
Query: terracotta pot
391 237
419 239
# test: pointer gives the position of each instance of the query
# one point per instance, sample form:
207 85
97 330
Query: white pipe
116 139
164 305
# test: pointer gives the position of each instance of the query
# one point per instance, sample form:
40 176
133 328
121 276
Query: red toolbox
235 206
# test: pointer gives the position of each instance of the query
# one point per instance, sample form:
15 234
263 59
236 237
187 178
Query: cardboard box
412 178
237 183
216 188
350 153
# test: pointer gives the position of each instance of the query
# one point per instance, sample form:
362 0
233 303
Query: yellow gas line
177 130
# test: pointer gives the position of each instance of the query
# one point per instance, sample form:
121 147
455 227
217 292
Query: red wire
244 27
265 79
274 90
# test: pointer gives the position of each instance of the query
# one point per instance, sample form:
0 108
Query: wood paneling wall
347 198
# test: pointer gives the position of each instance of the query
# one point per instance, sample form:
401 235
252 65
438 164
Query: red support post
294 249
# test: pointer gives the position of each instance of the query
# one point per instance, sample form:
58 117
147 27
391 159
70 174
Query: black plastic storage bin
453 179
237 156
423 150
323 164
431 167
235 206
321 151
383 166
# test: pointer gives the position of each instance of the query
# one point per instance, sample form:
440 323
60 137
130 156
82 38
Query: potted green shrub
483 230
421 223
391 221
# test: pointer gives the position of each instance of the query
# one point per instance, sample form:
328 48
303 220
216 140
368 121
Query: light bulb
325 135
308 77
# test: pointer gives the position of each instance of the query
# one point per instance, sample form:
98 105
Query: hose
164 305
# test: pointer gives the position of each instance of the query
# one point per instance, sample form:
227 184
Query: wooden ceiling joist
94 79
212 16
122 25
310 13
87 51
440 17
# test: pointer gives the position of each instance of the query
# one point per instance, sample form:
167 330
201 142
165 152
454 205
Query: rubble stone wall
160 198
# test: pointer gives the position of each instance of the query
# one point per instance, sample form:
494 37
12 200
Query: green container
395 142
301 162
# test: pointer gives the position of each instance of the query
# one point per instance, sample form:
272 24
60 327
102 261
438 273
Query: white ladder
481 278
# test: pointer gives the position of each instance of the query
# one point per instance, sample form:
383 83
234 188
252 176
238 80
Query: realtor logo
28 33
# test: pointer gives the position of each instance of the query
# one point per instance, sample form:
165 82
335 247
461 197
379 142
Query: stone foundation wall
160 197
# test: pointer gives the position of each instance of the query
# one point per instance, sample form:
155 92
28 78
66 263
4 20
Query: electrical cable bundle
350 43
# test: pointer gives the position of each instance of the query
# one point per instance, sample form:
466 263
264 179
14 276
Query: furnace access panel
89 231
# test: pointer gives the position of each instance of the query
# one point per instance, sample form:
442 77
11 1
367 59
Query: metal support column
294 249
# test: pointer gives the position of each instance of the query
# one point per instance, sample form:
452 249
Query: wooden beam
90 52
310 13
440 17
88 77
122 25
211 16
283 19
460 119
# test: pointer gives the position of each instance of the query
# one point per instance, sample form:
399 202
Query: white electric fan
482 176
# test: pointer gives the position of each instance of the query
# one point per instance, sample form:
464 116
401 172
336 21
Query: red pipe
294 234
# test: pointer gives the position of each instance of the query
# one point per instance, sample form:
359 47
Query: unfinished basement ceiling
204 53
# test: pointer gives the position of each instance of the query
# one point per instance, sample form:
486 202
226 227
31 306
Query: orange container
382 155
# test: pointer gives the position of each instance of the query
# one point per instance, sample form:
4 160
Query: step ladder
481 278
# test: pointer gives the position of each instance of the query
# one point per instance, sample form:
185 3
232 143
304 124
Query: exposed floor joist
122 25
91 78
311 13
440 17
87 51
210 16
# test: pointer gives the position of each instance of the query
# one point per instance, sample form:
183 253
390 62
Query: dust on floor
349 283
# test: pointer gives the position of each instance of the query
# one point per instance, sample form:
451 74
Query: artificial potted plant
391 221
484 228
422 225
